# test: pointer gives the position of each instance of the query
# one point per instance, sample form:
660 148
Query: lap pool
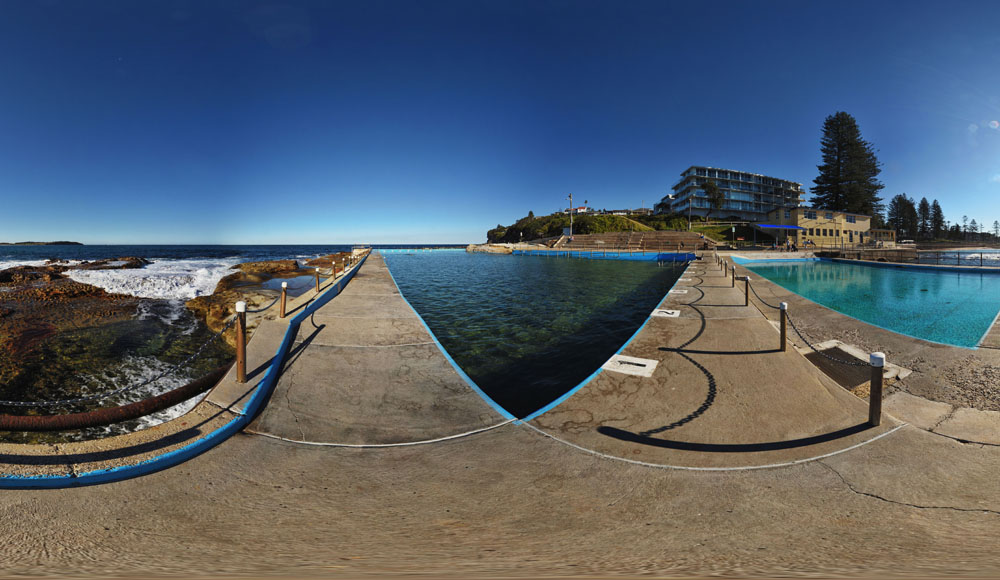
955 308
527 329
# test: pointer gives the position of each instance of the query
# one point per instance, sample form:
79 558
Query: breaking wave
165 279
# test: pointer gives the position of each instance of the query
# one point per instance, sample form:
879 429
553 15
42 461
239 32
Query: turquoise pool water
954 308
527 329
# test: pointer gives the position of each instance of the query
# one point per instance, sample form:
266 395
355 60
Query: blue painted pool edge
600 369
468 380
741 260
593 255
199 446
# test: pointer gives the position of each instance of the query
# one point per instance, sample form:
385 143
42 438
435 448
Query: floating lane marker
678 292
630 365
664 313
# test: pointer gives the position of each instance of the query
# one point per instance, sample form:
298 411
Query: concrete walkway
365 370
513 502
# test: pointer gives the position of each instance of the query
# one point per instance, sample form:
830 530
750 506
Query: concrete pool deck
722 393
512 502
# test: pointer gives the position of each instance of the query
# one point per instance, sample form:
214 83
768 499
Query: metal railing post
734 277
284 298
784 324
317 279
241 342
877 360
746 291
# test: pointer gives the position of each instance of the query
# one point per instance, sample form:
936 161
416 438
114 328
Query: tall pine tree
924 214
903 217
937 220
848 178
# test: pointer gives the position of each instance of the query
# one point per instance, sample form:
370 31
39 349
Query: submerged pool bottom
526 330
955 308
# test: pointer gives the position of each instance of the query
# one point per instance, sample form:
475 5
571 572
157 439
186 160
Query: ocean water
178 272
961 258
527 329
955 308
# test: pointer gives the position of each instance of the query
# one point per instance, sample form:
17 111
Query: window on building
810 231
852 220
810 215
788 214
838 233
824 232
829 215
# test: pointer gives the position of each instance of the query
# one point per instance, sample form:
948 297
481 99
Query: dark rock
269 267
25 274
328 260
125 263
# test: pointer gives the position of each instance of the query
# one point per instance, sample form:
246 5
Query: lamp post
571 217
572 210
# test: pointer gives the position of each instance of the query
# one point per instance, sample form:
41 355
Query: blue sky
374 121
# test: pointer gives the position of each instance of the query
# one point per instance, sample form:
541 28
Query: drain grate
849 377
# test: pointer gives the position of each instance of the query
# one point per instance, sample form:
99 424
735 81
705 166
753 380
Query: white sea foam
4 264
135 370
170 279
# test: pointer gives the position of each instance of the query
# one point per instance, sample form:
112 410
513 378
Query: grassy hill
531 227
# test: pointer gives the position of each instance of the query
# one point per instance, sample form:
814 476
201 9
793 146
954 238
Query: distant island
40 244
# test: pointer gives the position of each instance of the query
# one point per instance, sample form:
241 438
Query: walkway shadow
644 439
295 353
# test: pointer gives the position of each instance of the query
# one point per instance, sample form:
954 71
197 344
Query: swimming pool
528 329
955 308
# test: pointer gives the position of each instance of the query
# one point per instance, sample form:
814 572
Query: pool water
527 329
955 308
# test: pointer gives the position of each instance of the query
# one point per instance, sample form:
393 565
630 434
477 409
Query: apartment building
748 196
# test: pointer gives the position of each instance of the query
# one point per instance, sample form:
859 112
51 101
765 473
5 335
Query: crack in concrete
288 404
949 415
853 489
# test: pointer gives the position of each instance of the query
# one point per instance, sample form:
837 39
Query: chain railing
801 336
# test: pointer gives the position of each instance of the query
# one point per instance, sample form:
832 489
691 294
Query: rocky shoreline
246 284
46 315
